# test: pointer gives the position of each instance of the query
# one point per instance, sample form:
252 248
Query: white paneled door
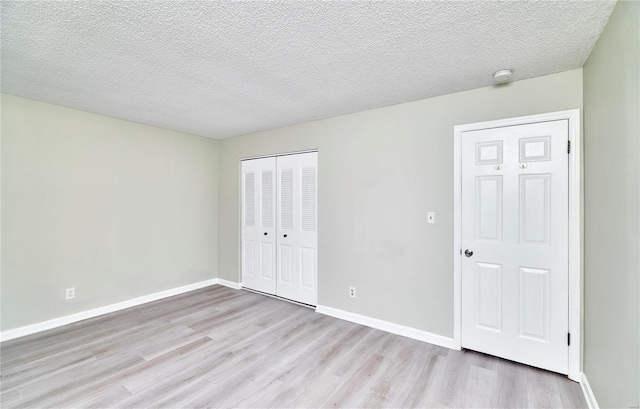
515 243
297 237
294 229
259 224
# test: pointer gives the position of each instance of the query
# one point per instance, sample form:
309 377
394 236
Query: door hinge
568 339
568 146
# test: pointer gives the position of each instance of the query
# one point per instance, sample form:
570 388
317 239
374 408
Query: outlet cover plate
70 293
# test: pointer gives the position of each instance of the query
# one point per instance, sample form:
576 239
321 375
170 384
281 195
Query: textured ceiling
220 69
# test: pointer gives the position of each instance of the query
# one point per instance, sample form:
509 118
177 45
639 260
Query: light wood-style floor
219 347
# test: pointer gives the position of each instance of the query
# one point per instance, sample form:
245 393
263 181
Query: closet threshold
313 307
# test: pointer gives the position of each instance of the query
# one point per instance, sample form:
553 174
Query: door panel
297 236
285 187
258 225
267 194
287 240
307 268
247 254
489 207
285 266
534 303
489 296
267 253
515 220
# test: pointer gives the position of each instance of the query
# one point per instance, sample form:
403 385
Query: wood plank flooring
219 347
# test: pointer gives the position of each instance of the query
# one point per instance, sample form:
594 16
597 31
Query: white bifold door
279 226
259 224
515 243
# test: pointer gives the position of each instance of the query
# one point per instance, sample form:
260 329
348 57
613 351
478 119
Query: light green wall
379 172
612 211
119 209
115 208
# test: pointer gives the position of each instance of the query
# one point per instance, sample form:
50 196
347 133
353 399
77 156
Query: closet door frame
240 216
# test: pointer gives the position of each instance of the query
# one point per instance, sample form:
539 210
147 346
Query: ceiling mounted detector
502 76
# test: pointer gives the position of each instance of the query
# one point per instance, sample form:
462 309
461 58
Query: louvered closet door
297 228
259 224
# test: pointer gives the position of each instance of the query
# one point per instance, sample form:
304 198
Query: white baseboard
69 319
588 392
230 284
347 316
397 329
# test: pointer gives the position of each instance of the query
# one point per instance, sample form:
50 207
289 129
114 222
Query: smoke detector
502 76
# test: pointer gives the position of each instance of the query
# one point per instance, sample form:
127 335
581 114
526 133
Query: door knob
265 233
468 253
285 235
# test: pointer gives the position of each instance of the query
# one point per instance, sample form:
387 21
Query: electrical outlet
431 217
70 293
352 292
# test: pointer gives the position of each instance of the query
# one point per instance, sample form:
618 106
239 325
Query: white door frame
575 223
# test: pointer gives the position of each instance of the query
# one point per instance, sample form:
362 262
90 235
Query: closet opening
279 226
